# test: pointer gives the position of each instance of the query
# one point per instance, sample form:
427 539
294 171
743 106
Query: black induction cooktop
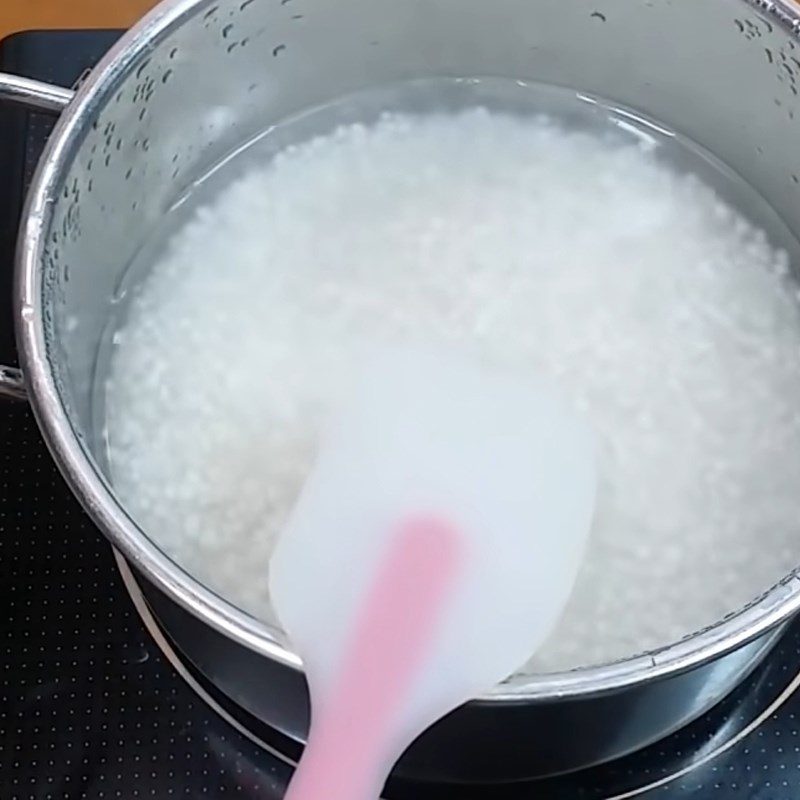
95 703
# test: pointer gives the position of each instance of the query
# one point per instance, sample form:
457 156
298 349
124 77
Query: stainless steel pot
198 77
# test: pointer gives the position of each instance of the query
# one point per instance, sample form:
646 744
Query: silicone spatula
431 551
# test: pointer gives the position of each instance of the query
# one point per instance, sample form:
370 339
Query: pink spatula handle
351 735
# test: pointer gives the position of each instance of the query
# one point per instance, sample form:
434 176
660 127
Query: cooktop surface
94 701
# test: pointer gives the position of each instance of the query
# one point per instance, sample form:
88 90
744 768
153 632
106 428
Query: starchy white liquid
529 243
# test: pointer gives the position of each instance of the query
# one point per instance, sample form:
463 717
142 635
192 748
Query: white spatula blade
504 461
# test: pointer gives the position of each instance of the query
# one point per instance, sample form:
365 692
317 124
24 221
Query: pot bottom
482 743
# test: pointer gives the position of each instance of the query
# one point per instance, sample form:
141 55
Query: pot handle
12 384
36 96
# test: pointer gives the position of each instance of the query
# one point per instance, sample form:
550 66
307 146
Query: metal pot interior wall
720 72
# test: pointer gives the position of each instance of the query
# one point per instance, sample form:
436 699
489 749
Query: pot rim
761 615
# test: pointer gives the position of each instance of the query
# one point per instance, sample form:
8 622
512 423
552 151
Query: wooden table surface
18 15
